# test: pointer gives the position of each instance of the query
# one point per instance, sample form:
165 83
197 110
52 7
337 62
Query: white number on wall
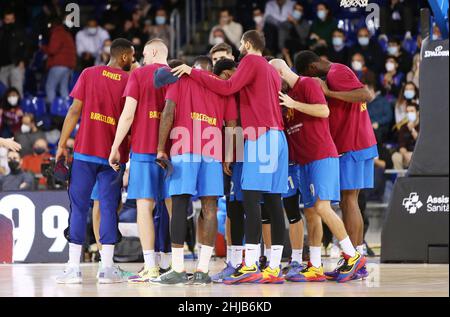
55 232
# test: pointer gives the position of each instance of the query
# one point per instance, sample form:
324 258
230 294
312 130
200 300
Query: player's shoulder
337 68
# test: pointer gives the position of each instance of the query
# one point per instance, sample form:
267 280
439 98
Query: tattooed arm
165 126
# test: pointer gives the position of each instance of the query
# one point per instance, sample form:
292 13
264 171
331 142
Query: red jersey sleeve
344 79
313 92
230 110
79 91
173 92
132 87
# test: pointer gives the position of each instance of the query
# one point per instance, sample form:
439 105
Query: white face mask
390 66
218 40
363 40
338 41
357 66
92 31
322 14
13 100
258 19
25 128
409 94
392 50
412 116
107 49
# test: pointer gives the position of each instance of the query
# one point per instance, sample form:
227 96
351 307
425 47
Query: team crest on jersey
363 107
289 114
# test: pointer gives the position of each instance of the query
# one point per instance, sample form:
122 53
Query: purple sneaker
362 274
226 272
333 275
294 269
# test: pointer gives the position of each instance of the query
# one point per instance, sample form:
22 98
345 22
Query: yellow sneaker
309 274
350 267
271 276
145 275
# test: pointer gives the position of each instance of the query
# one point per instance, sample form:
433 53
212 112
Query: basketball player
142 112
258 85
319 174
193 117
221 51
98 101
10 144
353 135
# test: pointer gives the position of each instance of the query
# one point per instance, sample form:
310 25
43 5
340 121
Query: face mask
409 94
297 14
92 31
390 66
107 50
160 20
412 116
13 100
338 41
218 40
39 150
357 66
258 19
435 37
363 40
392 50
25 128
13 166
322 14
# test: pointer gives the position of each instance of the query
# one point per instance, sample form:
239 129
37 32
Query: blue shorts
94 194
357 169
147 179
236 189
293 181
266 162
320 179
198 175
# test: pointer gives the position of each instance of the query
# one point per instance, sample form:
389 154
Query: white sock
205 257
165 259
259 251
276 253
74 255
107 255
158 259
149 258
297 255
361 249
315 255
228 253
236 255
178 259
267 253
251 254
347 247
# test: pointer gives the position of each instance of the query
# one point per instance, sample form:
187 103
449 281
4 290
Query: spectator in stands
276 24
32 162
397 18
11 113
28 134
105 54
113 18
62 59
407 137
232 29
404 60
382 163
338 52
408 94
392 79
220 38
5 146
358 64
322 27
370 49
133 26
221 51
413 74
258 19
89 42
161 29
14 52
380 112
298 39
17 179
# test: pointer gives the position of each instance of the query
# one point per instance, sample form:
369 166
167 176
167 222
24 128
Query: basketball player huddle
263 135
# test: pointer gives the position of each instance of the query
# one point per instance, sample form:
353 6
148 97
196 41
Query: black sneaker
201 278
262 262
171 278
164 271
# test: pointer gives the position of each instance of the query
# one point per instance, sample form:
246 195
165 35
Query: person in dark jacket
62 58
381 113
370 49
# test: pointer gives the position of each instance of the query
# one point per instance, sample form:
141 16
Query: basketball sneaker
271 276
201 279
263 262
144 275
125 274
226 272
71 275
361 274
243 274
163 271
332 275
293 270
285 270
309 273
350 267
110 275
171 278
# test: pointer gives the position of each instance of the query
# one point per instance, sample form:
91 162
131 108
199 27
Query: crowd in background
45 53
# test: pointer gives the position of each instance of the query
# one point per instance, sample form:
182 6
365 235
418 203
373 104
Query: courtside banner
38 223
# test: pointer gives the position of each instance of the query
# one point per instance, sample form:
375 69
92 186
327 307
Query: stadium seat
2 88
60 106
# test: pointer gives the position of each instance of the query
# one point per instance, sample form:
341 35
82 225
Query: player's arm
10 144
356 95
165 126
314 110
72 117
124 125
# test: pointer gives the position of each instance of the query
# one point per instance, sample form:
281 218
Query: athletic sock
158 259
251 254
267 253
165 259
276 252
228 253
149 258
297 255
236 255
315 255
74 255
361 249
347 247
178 259
259 251
107 255
205 257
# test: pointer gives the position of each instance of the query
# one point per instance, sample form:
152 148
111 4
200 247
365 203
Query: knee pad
293 215
265 215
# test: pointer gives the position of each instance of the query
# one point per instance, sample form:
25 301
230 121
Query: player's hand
323 84
286 101
11 144
227 168
114 159
59 153
162 155
181 70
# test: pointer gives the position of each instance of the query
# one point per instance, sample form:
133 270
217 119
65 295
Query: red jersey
151 101
308 137
100 88
199 117
350 123
258 84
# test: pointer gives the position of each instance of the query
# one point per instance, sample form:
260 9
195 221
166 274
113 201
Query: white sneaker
71 275
335 252
110 275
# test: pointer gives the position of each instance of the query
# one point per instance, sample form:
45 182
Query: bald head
155 51
280 66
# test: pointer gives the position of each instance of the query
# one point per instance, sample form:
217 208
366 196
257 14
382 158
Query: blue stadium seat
27 105
40 107
60 106
2 88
